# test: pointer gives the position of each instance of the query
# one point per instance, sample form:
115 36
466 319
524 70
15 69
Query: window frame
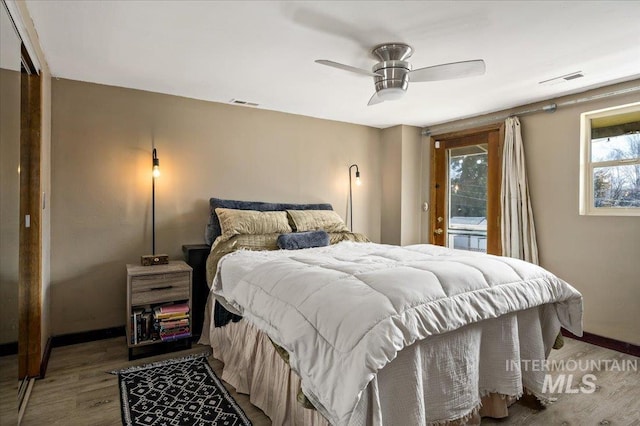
587 202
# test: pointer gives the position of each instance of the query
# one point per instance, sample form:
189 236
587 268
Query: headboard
213 226
196 256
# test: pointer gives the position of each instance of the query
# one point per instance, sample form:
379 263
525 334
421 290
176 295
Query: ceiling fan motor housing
393 69
392 51
395 75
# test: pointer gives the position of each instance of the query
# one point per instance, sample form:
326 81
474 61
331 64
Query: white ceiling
264 52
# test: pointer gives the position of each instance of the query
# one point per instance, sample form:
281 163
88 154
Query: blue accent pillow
213 230
302 240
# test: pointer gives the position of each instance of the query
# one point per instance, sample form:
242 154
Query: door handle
438 231
165 287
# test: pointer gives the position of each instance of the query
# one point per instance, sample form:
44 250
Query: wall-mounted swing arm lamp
351 193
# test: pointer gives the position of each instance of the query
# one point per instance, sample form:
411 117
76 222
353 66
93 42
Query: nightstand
158 305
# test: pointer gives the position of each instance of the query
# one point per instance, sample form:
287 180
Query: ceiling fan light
390 94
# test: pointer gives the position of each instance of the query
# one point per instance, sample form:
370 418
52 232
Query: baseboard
87 336
10 348
605 342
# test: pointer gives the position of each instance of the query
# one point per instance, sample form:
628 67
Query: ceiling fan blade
375 99
347 67
448 71
329 24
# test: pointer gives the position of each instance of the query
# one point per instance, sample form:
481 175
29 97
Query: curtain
518 230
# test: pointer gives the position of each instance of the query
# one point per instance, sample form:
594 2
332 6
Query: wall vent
244 103
563 78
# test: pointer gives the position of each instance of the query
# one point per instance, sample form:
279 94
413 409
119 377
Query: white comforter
344 311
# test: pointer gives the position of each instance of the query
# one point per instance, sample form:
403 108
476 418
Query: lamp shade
155 171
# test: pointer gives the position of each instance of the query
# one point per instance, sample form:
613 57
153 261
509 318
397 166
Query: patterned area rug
182 391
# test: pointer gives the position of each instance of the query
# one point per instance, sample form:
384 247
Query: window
610 161
467 210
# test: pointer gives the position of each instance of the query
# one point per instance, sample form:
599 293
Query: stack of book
142 326
172 321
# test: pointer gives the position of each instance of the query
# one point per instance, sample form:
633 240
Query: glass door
465 196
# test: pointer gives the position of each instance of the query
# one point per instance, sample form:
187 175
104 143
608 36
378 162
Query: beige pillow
251 222
313 220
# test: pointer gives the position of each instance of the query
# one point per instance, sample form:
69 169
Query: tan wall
401 185
101 199
9 202
597 255
411 185
391 168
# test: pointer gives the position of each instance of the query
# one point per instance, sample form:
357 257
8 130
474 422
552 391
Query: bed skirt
399 393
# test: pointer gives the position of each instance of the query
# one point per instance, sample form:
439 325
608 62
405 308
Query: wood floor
8 390
78 390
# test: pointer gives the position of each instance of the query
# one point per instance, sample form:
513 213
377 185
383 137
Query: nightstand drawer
159 288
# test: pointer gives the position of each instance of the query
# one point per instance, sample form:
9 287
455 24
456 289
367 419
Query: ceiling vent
244 103
563 78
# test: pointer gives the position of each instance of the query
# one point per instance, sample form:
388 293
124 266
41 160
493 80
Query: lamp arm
350 203
153 216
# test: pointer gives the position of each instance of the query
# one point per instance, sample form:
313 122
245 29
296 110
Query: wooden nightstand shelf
148 289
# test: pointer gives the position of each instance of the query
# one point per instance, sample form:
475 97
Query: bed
349 332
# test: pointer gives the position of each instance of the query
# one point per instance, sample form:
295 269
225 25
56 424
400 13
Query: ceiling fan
393 73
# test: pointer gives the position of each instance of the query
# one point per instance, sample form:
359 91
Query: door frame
495 137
